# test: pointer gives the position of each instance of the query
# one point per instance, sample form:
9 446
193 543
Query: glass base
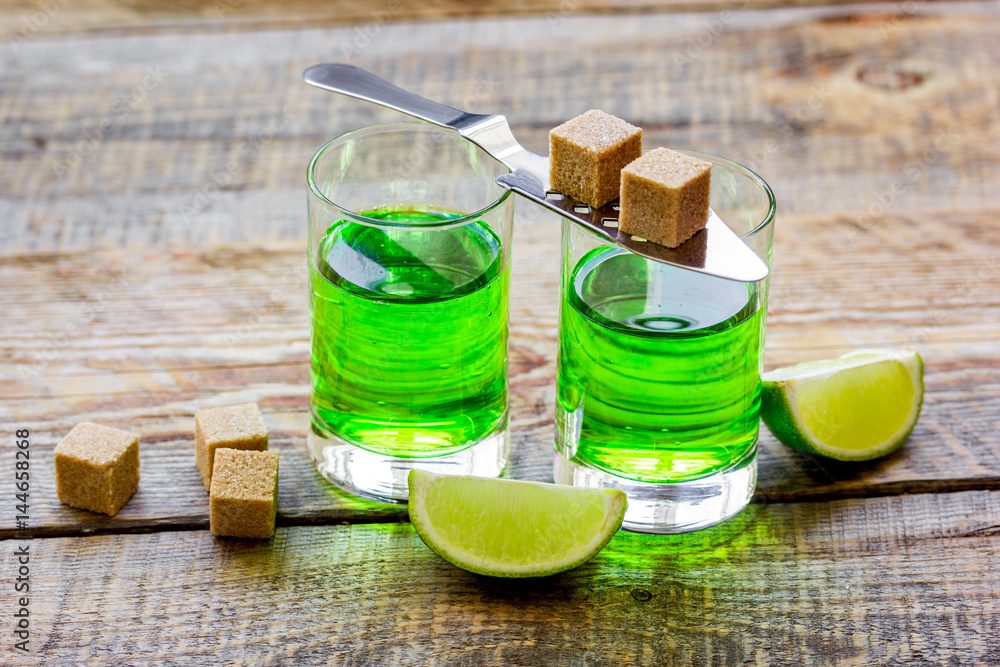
380 477
665 509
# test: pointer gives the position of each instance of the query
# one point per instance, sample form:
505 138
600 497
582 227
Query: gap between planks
399 514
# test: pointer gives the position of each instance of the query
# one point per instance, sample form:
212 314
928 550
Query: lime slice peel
857 407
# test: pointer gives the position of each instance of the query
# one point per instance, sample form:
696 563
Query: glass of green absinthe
659 370
409 247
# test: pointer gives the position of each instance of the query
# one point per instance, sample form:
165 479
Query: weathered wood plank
856 582
151 256
184 140
27 19
190 209
142 340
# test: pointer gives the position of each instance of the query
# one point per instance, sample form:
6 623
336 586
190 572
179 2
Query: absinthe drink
409 333
659 368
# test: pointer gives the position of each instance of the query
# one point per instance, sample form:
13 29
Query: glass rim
375 222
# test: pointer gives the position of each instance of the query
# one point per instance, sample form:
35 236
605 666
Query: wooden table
152 219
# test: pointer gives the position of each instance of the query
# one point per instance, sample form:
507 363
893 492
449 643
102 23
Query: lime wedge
507 528
860 406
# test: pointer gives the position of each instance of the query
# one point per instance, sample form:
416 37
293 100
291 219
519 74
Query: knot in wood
641 595
888 77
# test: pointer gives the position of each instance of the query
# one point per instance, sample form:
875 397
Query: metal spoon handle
716 250
489 131
363 85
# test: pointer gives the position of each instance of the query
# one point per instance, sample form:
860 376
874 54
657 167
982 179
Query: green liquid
409 335
659 369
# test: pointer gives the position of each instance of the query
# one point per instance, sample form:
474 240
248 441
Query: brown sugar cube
587 153
665 197
233 426
97 467
244 496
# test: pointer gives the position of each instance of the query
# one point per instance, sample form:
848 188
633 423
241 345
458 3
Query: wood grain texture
152 263
854 582
159 336
26 19
153 217
181 141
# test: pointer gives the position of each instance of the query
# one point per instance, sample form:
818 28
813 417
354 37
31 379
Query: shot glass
409 248
659 370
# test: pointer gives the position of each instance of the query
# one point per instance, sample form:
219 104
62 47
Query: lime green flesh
507 528
858 408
